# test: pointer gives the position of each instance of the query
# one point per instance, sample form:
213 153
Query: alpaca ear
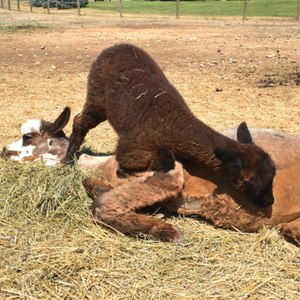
60 122
243 134
230 158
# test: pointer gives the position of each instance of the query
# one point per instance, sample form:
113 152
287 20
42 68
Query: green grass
25 27
259 8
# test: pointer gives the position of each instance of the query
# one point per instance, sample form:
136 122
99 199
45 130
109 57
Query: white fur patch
17 146
22 153
31 126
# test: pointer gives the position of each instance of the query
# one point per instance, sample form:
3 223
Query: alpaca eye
27 137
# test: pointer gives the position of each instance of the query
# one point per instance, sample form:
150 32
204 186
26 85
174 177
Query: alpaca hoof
168 233
181 241
179 238
70 160
163 160
121 172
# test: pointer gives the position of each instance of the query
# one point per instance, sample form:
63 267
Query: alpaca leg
134 225
91 115
96 186
132 158
117 207
291 231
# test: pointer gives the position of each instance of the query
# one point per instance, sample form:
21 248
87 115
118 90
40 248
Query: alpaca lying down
187 189
127 88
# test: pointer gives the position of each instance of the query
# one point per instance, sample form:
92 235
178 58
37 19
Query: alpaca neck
197 142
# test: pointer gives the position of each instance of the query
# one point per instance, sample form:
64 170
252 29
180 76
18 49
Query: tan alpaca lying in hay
186 190
127 87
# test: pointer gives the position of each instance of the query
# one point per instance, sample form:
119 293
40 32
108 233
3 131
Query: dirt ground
227 71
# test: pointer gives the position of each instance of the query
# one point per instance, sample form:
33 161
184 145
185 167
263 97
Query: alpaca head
41 141
248 169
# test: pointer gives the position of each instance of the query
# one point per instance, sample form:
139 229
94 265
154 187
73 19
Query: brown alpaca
188 189
129 89
200 193
118 208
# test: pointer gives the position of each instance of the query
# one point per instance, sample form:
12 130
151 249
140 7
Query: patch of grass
50 249
41 191
267 8
25 27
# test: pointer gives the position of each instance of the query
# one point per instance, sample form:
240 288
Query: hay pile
50 249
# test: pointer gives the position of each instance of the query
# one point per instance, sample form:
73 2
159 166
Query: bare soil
227 71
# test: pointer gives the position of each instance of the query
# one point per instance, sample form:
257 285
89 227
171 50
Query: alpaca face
262 197
41 141
34 147
250 171
259 172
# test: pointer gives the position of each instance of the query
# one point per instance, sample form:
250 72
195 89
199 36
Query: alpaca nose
8 153
268 199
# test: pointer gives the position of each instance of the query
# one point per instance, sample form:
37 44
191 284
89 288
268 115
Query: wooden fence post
78 7
298 18
2 6
18 3
30 4
177 9
8 4
48 8
120 8
245 10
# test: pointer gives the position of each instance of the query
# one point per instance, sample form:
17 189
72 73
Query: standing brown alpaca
128 88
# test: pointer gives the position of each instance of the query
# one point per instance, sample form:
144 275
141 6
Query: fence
8 2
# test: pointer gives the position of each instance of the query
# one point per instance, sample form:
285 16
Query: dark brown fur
128 199
152 120
187 190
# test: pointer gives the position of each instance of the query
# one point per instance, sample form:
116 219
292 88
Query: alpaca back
134 92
